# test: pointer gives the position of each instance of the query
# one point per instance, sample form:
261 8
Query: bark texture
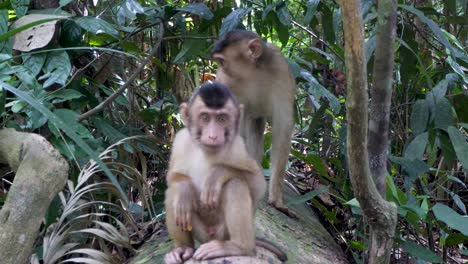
304 241
40 174
379 214
381 92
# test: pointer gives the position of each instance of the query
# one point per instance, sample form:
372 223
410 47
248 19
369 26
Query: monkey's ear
256 48
184 113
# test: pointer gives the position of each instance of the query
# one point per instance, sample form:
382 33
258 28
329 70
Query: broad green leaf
416 148
308 196
440 90
71 34
199 9
5 46
233 21
455 179
318 91
64 95
464 252
327 20
311 11
282 12
414 167
447 149
313 160
420 252
63 3
460 145
190 49
458 202
20 6
57 68
419 117
34 62
406 71
96 25
457 68
69 119
443 114
283 33
59 123
435 29
266 11
451 218
26 76
106 128
455 239
353 202
415 209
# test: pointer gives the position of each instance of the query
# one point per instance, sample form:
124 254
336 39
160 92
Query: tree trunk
40 174
304 240
379 214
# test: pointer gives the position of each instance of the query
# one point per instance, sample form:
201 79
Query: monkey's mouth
211 149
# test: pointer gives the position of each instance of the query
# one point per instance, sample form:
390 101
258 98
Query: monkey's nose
213 137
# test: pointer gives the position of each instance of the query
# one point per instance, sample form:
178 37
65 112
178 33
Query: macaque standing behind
214 185
260 77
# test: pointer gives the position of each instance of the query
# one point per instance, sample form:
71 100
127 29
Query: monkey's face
236 62
213 129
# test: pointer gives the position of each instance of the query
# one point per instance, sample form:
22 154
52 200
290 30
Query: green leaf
440 89
59 123
34 62
199 9
104 127
318 91
57 68
25 75
443 114
64 95
96 25
266 11
282 12
451 218
455 179
327 20
435 29
464 252
233 21
416 148
71 34
447 149
308 196
353 202
420 252
283 33
455 239
419 117
458 202
20 6
414 167
69 119
190 49
311 159
63 3
311 11
460 145
5 46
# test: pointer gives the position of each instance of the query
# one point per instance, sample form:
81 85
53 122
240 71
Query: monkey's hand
211 188
185 204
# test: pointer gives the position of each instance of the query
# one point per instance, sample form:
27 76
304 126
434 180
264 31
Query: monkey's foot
216 248
178 255
284 210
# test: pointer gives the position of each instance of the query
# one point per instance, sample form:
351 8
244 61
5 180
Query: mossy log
303 240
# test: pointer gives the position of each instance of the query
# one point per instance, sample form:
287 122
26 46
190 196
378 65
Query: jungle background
102 81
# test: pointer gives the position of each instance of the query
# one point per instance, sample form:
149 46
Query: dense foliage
59 63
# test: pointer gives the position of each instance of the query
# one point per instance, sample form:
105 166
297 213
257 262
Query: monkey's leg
238 217
281 142
252 132
183 241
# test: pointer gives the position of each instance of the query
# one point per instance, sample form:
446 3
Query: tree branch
113 96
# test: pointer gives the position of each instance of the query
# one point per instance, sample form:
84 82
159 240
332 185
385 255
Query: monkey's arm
235 162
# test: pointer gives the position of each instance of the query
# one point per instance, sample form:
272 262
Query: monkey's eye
220 62
222 118
204 117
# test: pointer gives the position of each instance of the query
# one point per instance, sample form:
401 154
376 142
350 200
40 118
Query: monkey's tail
261 242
